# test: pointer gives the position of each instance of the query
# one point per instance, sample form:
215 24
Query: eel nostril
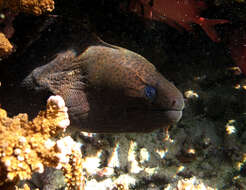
174 103
178 103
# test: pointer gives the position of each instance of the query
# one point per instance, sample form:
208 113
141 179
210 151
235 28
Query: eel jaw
173 115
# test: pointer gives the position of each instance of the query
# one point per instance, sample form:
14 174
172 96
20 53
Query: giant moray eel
106 88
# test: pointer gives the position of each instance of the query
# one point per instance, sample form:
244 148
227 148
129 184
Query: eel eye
150 92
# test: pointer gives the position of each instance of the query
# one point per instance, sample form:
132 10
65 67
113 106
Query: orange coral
25 187
36 7
5 46
26 147
9 9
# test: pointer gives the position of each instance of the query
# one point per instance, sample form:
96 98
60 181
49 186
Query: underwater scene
123 95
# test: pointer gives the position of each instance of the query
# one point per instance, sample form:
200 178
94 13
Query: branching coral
9 9
26 146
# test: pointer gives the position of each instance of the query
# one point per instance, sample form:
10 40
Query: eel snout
177 102
174 114
171 100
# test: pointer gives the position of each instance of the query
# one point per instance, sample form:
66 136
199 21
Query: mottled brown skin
104 85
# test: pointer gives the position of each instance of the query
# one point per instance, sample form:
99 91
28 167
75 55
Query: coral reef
9 9
36 7
5 46
207 149
192 184
25 187
27 147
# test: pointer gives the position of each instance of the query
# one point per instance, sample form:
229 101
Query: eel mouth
170 116
173 116
174 113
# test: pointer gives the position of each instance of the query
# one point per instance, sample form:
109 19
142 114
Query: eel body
106 88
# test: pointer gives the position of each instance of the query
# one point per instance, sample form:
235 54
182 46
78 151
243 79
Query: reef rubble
30 146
